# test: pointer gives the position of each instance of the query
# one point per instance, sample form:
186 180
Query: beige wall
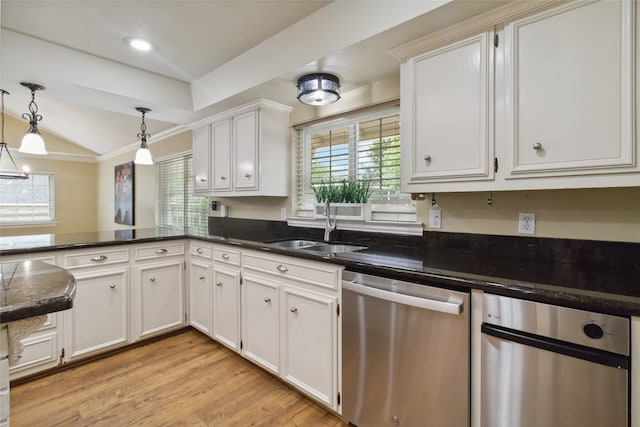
85 197
75 182
144 198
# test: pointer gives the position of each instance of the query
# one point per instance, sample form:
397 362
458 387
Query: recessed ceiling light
139 44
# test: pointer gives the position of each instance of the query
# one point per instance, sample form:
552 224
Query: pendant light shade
8 167
32 142
318 89
143 155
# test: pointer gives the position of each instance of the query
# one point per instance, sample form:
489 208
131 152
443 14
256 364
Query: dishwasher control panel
595 330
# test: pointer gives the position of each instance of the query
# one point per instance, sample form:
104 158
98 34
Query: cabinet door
569 93
261 321
226 307
221 155
98 319
160 292
200 295
201 160
447 101
41 349
245 133
310 343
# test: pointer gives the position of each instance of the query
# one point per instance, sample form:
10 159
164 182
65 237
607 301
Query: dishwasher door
545 365
405 354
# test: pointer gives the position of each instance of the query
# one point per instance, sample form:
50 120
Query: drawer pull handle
199 250
282 268
267 299
203 179
201 277
153 279
162 251
99 258
218 283
112 286
225 256
223 178
293 310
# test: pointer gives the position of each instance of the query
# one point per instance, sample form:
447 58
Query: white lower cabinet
226 306
200 274
309 342
160 295
98 320
41 350
261 321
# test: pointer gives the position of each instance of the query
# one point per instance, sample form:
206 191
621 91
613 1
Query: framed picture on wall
124 194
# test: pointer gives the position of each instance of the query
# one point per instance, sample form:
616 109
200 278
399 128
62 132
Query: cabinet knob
201 277
427 158
223 178
153 279
247 175
267 299
162 251
537 146
203 179
225 256
293 310
282 268
199 250
218 283
112 286
99 258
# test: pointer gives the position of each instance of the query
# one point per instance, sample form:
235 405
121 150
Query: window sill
390 227
28 224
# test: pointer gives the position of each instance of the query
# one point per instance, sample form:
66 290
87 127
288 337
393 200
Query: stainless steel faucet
329 225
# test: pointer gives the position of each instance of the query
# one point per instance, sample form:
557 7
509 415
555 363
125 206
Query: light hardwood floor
182 380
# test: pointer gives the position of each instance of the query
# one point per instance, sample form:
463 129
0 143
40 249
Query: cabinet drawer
100 257
201 250
158 251
226 256
313 273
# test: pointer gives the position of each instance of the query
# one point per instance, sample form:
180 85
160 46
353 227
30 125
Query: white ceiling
208 56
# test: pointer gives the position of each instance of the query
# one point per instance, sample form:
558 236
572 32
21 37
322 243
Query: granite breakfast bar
29 291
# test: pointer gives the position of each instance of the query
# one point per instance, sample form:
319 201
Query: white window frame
187 193
402 210
13 222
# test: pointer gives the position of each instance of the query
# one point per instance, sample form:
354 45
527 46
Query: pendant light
32 142
318 89
8 167
143 155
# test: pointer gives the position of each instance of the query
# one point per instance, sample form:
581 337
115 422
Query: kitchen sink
318 247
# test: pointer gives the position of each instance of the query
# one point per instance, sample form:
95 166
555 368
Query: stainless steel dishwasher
405 353
545 365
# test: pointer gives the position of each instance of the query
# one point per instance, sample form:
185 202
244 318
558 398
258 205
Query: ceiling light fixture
32 142
139 44
143 155
318 89
8 167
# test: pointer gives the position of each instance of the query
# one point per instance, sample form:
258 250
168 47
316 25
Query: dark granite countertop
555 271
33 288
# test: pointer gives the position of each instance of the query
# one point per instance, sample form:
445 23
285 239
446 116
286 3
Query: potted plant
348 199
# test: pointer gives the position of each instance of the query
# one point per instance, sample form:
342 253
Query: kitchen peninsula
30 291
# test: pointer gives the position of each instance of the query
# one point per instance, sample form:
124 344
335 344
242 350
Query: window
27 201
175 204
362 148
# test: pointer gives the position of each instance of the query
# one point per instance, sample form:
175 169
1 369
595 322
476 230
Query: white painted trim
240 109
404 228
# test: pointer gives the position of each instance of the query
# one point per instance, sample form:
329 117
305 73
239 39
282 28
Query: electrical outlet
435 218
527 223
283 213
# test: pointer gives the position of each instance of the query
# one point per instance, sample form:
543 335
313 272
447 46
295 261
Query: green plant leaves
352 191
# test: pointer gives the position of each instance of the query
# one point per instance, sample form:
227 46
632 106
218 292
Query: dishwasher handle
420 302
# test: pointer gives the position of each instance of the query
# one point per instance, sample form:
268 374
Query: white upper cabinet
531 95
569 86
201 155
248 152
446 113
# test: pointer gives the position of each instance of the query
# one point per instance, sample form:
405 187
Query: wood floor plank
182 380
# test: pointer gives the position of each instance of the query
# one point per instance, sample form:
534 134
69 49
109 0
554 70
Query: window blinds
27 200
